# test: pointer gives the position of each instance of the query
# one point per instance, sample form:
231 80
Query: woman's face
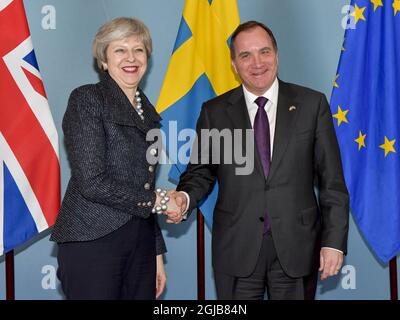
126 63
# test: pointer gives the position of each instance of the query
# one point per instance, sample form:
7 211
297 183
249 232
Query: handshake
171 203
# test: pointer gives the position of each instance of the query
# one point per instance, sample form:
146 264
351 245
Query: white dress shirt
270 108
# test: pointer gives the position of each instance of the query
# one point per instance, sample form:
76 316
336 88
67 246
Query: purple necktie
262 137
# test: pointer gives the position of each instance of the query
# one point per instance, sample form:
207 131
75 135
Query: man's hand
176 206
330 262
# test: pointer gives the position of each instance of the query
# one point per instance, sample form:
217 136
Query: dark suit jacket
111 180
305 154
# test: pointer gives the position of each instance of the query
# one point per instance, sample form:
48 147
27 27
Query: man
269 230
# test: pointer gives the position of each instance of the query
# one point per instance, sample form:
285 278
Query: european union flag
365 105
199 70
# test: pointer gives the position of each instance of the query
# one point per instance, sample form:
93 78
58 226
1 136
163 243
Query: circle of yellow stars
358 12
387 146
341 115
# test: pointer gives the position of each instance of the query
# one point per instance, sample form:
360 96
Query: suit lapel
151 117
237 110
285 124
240 118
121 110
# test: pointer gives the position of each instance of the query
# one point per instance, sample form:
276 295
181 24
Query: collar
271 94
114 96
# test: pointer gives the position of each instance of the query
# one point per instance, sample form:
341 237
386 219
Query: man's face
256 60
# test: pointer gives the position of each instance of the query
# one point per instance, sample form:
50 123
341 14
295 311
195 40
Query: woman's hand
161 276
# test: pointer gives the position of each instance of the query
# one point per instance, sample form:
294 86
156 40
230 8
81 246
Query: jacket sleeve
200 175
86 147
333 194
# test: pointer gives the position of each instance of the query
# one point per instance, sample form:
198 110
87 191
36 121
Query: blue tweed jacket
111 180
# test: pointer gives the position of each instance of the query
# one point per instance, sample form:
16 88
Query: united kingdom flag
29 165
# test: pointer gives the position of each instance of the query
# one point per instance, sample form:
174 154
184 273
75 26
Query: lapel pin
291 108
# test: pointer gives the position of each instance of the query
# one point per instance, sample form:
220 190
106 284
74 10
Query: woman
109 243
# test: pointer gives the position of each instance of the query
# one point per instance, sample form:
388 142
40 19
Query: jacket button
151 169
266 187
261 219
153 152
147 186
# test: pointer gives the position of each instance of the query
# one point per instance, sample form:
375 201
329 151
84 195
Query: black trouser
120 265
268 274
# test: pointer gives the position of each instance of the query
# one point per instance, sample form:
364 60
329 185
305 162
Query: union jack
29 164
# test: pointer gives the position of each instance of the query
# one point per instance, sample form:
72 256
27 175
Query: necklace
138 106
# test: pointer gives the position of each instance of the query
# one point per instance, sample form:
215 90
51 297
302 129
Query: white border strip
4 4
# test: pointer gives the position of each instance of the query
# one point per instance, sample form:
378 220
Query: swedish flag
199 70
365 105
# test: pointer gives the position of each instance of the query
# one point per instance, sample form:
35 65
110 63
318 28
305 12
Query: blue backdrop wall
309 35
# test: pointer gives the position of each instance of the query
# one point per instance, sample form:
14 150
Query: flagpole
200 257
10 275
393 279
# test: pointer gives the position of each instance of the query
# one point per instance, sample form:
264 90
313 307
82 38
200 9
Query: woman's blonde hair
118 29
